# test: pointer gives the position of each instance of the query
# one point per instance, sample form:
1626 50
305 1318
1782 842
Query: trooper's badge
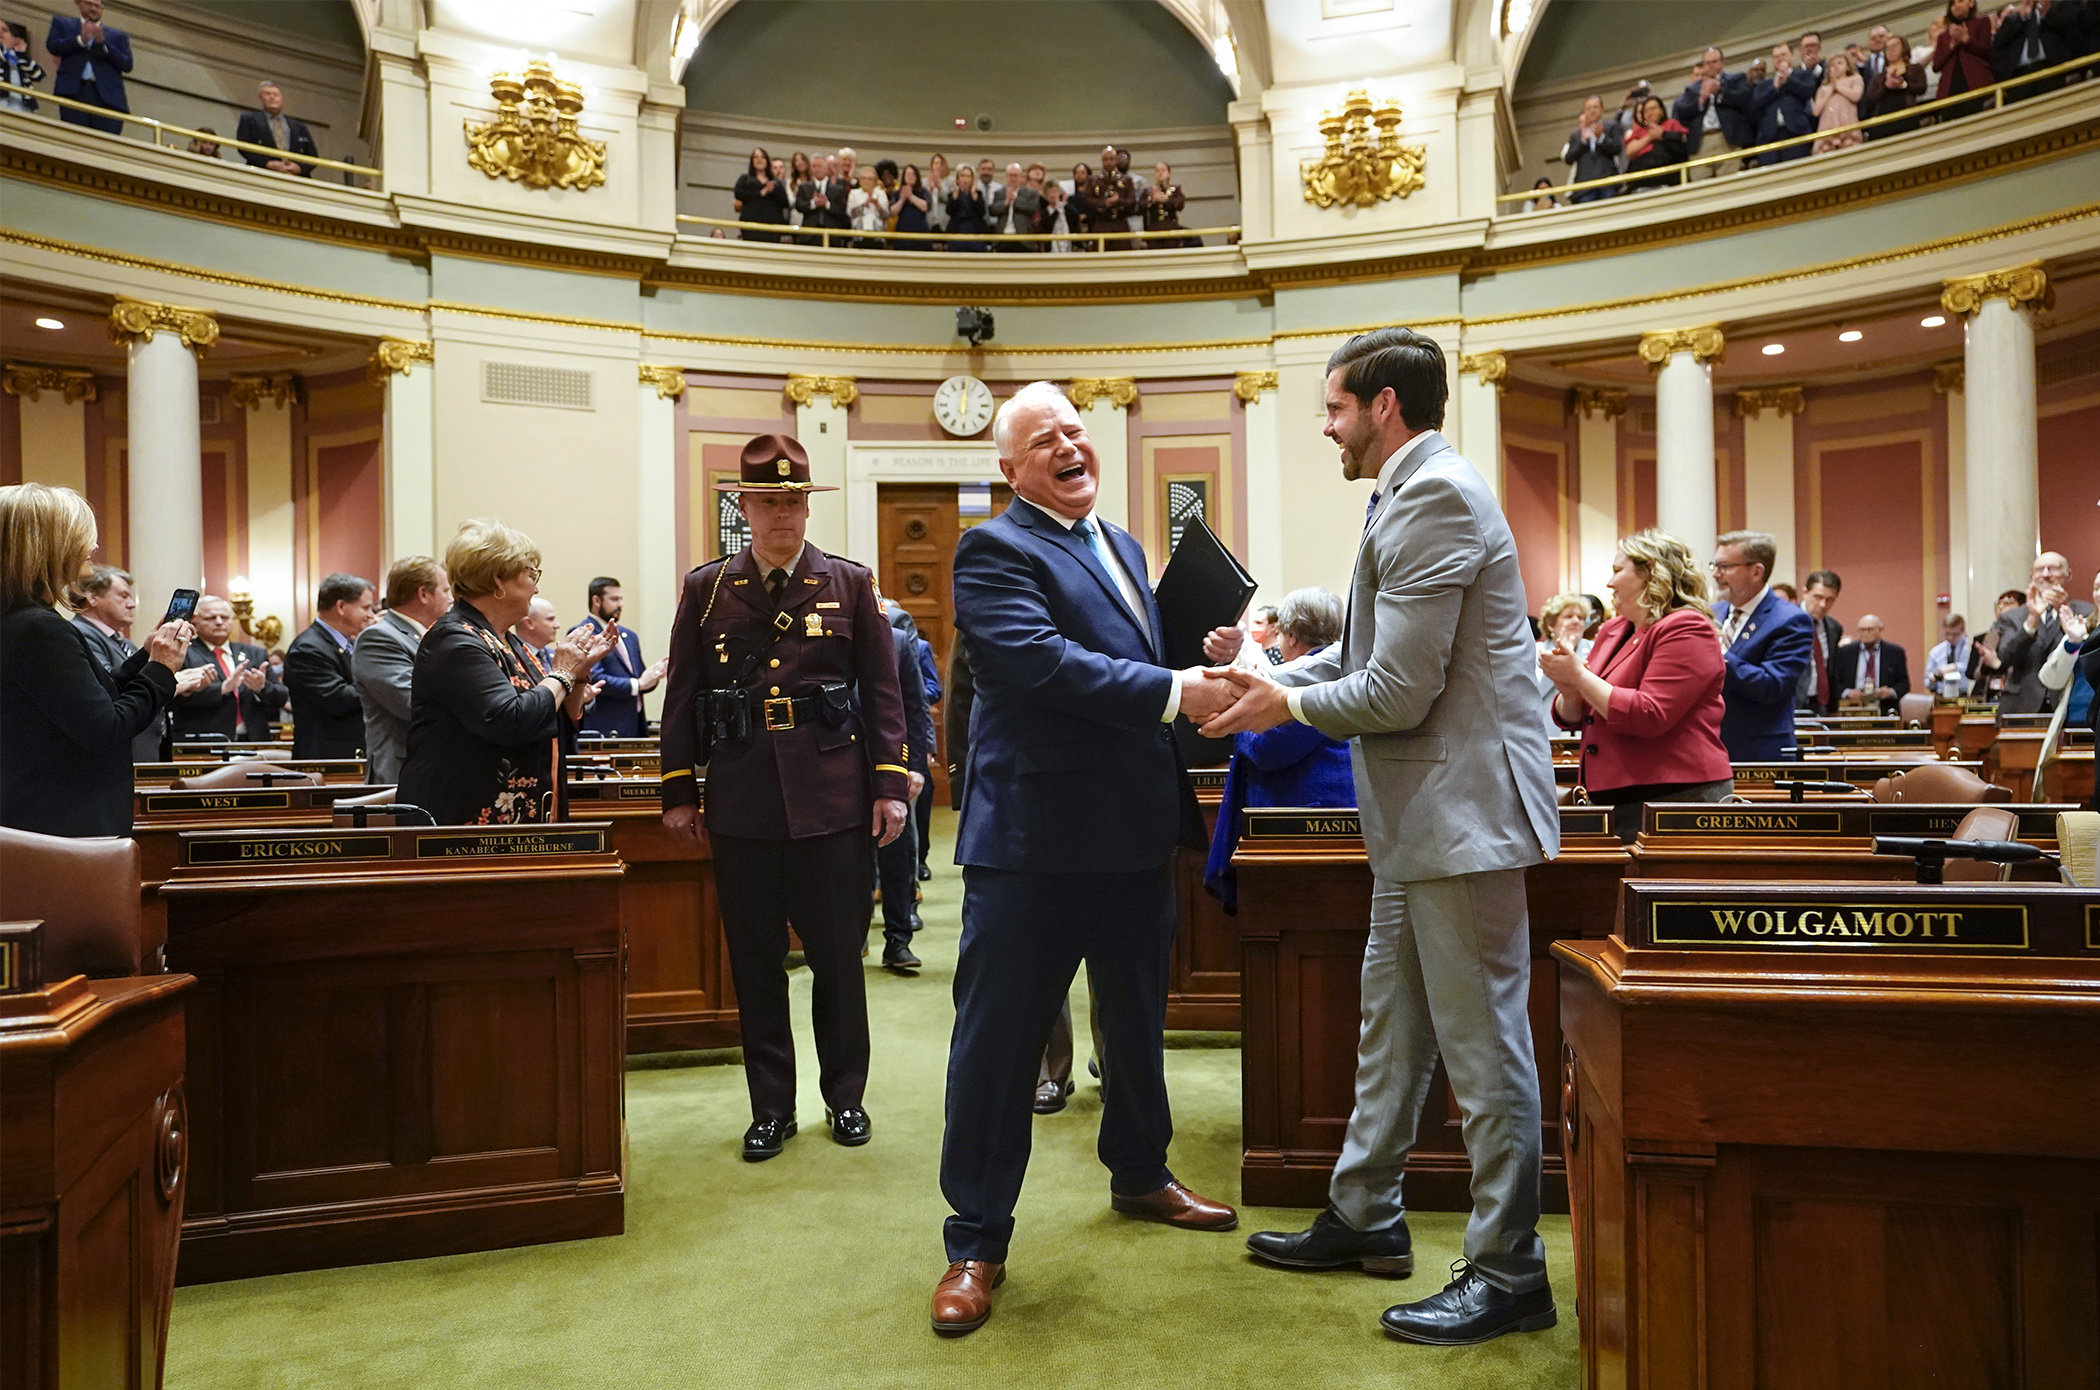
812 625
784 466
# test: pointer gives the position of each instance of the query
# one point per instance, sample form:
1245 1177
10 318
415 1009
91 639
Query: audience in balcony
19 73
1961 52
1837 105
92 60
1898 85
1544 199
1594 151
270 126
1653 141
1715 110
760 196
867 209
821 199
1784 103
965 210
1013 207
1110 198
2032 35
911 206
1161 204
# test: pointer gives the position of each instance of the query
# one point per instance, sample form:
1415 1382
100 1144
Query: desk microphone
397 809
1795 788
1932 855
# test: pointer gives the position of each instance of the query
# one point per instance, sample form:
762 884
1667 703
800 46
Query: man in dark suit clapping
328 718
270 126
92 60
235 696
1073 803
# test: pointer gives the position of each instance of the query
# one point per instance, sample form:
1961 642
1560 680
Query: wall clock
963 406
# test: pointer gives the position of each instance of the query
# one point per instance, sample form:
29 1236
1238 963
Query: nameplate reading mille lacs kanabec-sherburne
1303 825
217 801
483 844
1749 820
286 849
1838 925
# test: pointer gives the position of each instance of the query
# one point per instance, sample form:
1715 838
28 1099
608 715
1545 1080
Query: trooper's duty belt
730 715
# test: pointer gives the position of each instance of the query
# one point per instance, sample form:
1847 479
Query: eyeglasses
534 571
1718 565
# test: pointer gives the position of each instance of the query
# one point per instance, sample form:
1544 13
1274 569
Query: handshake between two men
1225 700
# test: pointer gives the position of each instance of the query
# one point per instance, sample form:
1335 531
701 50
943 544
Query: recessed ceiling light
1850 335
1932 321
1774 349
49 323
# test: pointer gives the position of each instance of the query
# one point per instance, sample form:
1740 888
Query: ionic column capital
397 355
1248 386
1116 390
2019 286
1704 343
1787 400
1948 377
1491 367
137 320
1609 401
668 381
249 392
29 379
803 390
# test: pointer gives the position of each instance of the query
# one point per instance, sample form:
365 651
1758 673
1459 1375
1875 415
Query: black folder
1203 587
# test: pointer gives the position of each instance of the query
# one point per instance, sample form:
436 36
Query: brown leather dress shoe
963 1298
1175 1205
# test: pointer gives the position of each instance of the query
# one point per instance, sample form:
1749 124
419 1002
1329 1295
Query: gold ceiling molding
135 321
1248 386
1948 377
1755 401
951 350
1355 169
1144 290
250 391
31 380
398 355
1608 401
2020 286
804 390
534 140
484 311
668 381
1491 367
203 274
1116 390
1704 343
1354 329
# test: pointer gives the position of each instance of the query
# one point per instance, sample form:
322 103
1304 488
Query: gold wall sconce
1358 169
534 140
269 632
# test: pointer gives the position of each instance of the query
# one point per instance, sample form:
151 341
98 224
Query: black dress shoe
1050 1097
850 1127
1332 1243
897 956
1469 1310
766 1138
924 873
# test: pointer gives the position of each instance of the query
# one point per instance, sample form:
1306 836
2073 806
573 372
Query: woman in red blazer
1961 52
1648 703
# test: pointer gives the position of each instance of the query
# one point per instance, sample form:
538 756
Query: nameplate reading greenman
1909 925
482 844
1745 820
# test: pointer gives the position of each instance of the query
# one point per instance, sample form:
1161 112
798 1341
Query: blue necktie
1087 531
1371 510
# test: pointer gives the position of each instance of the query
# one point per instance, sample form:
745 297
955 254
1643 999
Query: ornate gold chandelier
1356 169
534 140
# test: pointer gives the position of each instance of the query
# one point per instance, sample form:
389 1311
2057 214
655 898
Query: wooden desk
1849 741
1829 841
404 1042
1305 894
2069 777
1754 780
1203 984
1828 1162
93 1158
679 994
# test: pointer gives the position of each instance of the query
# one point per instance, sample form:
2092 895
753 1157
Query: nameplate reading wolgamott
1747 820
1839 925
483 844
277 849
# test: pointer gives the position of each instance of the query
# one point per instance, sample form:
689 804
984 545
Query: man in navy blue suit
92 60
618 709
1073 802
1765 642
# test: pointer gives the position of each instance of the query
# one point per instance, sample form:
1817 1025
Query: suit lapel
1618 653
1132 555
1064 538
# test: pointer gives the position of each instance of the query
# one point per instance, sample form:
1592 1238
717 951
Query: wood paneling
1873 522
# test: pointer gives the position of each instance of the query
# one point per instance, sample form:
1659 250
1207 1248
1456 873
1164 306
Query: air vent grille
208 409
514 383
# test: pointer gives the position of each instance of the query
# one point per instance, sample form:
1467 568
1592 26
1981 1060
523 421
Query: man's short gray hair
1034 393
1758 547
1311 616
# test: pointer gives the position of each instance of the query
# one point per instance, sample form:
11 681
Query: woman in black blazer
761 196
66 724
488 721
966 208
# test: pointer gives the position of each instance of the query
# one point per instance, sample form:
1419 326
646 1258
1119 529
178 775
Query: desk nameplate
1942 821
1207 778
1585 820
1747 820
2092 928
1303 825
1848 924
275 848
482 844
159 803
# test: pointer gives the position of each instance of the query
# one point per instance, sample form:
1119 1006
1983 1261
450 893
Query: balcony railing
160 128
1975 101
842 238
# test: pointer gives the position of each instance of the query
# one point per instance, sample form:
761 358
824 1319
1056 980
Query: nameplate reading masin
1910 926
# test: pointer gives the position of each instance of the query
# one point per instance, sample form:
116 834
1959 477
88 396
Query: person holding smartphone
66 723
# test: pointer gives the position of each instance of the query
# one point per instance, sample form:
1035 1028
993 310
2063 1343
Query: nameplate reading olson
290 848
1910 925
484 844
1748 821
1263 825
218 801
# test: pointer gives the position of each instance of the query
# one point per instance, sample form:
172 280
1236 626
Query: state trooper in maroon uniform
783 686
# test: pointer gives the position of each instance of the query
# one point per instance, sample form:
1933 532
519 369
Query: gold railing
822 237
170 128
1993 94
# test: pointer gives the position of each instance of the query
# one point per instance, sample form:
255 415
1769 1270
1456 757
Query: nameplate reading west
482 844
217 801
1303 825
1749 820
1909 925
262 849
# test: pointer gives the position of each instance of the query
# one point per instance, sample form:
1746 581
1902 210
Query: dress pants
821 885
1057 1057
1024 938
922 820
1448 969
896 867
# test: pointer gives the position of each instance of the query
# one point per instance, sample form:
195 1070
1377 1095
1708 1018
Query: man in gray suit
106 607
383 660
1431 684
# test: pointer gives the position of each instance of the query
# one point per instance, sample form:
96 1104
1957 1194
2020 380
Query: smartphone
182 607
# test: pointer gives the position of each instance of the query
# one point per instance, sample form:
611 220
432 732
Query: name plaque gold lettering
1749 820
1207 778
1907 925
489 843
640 791
1303 825
1768 773
217 801
1942 821
267 849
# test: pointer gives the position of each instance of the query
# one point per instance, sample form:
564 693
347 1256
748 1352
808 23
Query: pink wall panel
1874 535
1531 493
351 501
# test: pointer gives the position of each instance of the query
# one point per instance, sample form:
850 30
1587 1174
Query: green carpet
816 1268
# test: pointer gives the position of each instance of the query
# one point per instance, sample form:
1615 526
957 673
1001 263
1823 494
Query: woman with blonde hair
488 722
1647 703
1563 619
66 724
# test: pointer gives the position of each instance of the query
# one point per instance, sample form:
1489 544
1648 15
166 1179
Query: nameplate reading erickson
1748 820
482 844
279 849
1910 925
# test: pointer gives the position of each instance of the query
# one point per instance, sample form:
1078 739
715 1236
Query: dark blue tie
1371 510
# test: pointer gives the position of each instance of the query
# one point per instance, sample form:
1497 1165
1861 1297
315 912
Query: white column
1685 501
1264 482
412 523
1479 402
271 528
1104 413
1597 528
1250 128
652 600
1768 471
820 427
1948 378
166 545
2004 505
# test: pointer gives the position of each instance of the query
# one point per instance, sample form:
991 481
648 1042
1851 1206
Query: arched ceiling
1573 37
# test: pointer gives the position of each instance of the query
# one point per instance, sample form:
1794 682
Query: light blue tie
1086 530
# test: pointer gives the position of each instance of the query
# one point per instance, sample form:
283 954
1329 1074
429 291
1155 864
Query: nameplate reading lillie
1910 925
484 844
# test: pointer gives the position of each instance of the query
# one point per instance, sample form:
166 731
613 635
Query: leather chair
1915 708
1983 823
1939 784
234 775
86 893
